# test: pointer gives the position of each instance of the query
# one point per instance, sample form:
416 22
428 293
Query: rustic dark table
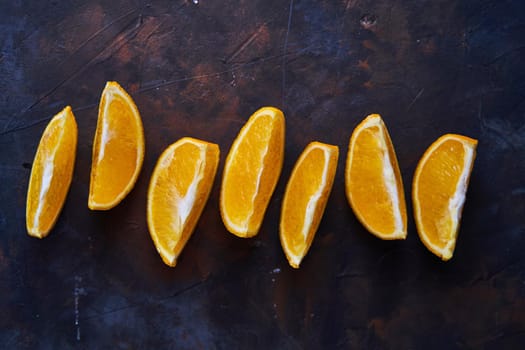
200 68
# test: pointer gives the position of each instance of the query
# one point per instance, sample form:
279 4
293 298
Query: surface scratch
98 32
138 305
285 47
26 126
121 39
503 55
415 99
146 45
77 292
495 129
244 44
82 108
235 67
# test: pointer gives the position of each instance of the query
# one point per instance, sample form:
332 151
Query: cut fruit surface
439 191
51 173
374 187
251 172
305 199
179 189
118 149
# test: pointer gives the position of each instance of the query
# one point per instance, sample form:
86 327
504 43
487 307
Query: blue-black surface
200 68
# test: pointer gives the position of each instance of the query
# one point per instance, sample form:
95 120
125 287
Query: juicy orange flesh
172 187
437 184
369 192
56 152
304 184
399 182
182 185
252 171
120 152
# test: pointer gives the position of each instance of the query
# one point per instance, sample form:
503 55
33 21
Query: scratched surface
200 69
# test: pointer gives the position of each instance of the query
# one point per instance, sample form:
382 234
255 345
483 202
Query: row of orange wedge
183 178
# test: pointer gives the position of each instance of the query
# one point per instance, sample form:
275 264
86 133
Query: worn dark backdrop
200 69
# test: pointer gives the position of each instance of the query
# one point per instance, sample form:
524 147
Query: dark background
428 67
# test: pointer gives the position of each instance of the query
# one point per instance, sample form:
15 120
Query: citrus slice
178 191
251 172
305 199
118 149
373 181
51 173
439 189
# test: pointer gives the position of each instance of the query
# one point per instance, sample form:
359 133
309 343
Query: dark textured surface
429 67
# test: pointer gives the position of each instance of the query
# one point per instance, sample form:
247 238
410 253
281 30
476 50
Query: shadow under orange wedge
439 191
305 199
51 173
178 191
118 149
374 187
251 172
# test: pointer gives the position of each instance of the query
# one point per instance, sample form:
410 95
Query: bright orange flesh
51 173
251 172
178 191
118 149
373 181
305 199
439 191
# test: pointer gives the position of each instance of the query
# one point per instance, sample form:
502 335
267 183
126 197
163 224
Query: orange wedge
178 191
251 172
118 149
373 181
51 173
439 189
305 199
